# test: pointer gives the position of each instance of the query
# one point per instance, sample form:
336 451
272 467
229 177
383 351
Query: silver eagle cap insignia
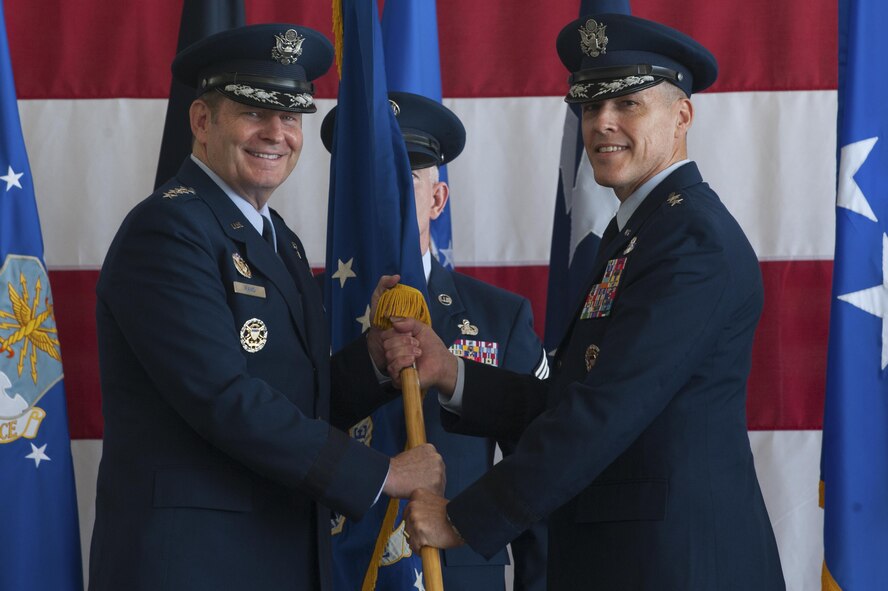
593 41
287 47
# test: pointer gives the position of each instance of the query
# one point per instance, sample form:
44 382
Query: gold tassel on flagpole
337 35
403 301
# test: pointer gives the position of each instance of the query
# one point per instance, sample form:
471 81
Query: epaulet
178 192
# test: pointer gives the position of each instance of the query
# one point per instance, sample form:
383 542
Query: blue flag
412 64
371 231
854 463
200 18
582 211
38 511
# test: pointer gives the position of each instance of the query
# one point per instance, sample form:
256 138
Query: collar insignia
674 199
445 299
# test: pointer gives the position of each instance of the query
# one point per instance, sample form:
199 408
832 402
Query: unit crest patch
30 361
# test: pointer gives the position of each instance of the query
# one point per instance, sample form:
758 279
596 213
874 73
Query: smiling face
253 150
631 138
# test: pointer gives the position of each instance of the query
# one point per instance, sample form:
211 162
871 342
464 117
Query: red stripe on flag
785 387
788 378
74 299
97 49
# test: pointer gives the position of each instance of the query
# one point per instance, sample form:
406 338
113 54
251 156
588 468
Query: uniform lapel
258 253
291 252
445 317
682 177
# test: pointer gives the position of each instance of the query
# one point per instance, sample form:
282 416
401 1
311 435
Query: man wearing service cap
220 464
481 323
639 454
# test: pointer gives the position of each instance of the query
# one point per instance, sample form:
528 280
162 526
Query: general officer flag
412 64
38 507
200 18
583 209
371 231
855 425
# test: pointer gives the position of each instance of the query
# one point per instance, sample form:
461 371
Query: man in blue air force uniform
639 454
482 323
220 461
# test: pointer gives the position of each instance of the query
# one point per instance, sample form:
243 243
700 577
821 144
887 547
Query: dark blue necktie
267 232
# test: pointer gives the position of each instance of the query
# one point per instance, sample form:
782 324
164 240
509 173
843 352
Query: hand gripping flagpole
404 301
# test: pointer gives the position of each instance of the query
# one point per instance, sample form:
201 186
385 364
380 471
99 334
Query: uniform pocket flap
202 488
465 556
633 500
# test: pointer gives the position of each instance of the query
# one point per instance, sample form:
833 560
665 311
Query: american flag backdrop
93 77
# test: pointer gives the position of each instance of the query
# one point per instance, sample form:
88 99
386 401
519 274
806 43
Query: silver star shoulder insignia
468 329
175 192
674 199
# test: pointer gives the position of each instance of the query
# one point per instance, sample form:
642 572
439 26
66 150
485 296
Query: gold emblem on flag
28 326
253 335
241 265
28 336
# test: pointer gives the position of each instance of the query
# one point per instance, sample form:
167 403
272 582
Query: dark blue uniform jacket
640 453
505 320
219 464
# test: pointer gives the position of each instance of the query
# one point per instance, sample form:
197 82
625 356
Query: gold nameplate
257 291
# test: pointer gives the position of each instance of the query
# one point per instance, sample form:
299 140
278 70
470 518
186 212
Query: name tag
257 291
